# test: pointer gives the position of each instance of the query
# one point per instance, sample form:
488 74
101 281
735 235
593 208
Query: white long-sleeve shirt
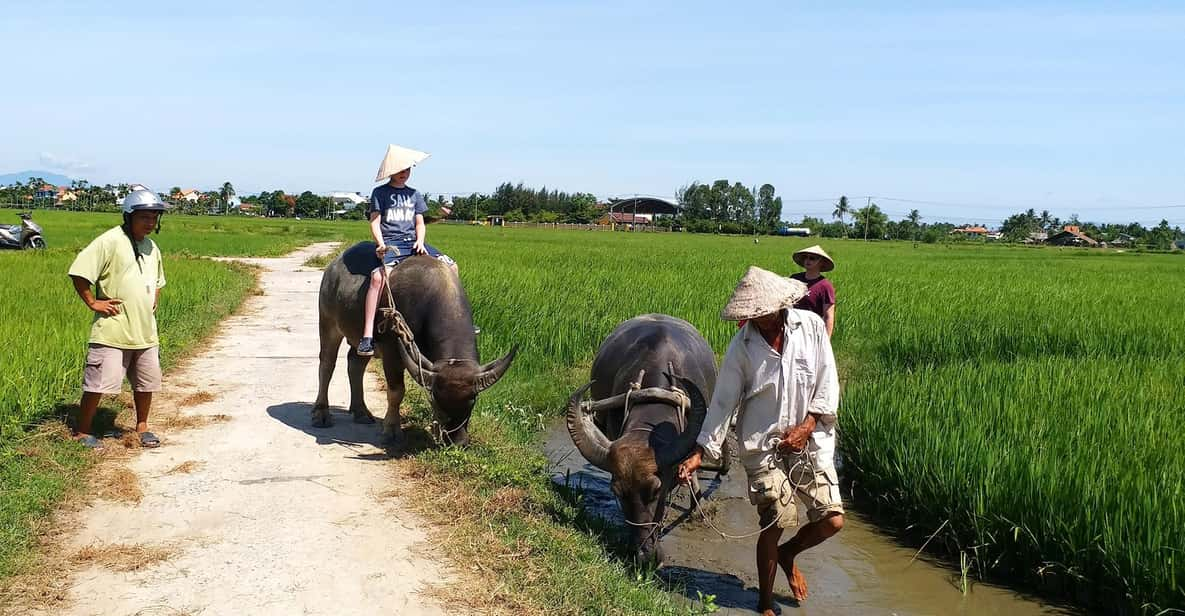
771 391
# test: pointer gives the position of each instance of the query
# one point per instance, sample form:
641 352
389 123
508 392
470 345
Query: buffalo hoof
394 441
362 417
322 419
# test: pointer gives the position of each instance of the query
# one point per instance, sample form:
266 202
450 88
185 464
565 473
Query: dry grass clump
187 422
457 515
121 557
195 399
184 468
115 482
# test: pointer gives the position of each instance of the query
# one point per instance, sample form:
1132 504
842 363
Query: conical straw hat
761 292
816 250
397 159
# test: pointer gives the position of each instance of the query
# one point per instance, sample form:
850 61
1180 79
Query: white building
347 200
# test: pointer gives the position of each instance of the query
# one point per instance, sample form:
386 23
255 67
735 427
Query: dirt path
260 514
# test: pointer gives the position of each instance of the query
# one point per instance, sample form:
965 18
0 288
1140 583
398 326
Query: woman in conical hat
396 215
820 297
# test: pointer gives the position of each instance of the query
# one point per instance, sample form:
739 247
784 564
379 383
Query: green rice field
1025 401
1021 401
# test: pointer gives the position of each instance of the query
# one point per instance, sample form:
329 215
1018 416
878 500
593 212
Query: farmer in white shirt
779 377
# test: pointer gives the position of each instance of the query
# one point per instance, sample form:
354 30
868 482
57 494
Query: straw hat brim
761 292
397 159
816 250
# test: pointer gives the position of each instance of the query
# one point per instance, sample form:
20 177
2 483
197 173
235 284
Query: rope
802 457
392 317
634 386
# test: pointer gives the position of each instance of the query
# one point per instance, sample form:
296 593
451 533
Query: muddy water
859 571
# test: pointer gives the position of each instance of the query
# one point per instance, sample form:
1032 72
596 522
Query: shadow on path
346 433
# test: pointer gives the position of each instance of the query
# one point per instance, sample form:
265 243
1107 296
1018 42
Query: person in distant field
778 380
396 215
820 297
126 271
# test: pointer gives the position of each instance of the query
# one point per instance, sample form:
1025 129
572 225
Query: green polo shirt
110 265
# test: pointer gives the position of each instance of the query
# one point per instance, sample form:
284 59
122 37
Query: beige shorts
773 490
106 366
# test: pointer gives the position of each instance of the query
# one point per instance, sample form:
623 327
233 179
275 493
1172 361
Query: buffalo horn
682 445
491 372
420 372
592 443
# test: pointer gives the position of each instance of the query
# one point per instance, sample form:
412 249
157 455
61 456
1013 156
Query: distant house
624 218
47 191
1123 239
1071 236
795 231
969 231
1038 237
63 194
191 195
347 200
494 221
1179 245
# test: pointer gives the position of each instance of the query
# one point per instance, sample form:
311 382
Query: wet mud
859 571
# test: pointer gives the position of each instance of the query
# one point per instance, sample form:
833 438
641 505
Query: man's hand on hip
106 307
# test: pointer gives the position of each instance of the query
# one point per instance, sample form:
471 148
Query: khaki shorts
773 490
106 366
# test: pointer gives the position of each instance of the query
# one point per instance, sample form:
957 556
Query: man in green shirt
125 269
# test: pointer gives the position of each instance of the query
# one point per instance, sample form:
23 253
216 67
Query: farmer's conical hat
397 159
761 292
816 250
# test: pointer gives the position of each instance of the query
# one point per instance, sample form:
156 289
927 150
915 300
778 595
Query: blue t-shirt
398 208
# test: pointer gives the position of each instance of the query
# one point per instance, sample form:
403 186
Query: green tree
872 221
842 209
225 193
769 209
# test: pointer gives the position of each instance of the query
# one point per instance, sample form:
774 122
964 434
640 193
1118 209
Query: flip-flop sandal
90 442
149 440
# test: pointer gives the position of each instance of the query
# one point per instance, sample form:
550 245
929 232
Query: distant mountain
23 177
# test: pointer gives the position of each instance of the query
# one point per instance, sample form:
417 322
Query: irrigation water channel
859 571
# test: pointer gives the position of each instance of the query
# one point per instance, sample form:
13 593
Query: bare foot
797 583
793 575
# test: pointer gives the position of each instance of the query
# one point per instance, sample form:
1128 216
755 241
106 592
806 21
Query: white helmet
142 199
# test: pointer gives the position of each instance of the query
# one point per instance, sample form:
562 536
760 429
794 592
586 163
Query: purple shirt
820 294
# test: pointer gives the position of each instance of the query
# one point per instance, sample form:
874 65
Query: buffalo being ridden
650 379
441 357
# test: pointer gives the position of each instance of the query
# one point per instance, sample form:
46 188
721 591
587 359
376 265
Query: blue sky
977 110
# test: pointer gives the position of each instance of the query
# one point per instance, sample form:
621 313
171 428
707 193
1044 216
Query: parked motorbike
22 236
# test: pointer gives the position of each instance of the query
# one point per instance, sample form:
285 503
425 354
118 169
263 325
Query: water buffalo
442 358
640 446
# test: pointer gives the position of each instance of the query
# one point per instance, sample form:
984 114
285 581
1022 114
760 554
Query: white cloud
65 165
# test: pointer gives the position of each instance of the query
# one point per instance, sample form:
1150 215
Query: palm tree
226 192
914 218
842 209
1046 220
